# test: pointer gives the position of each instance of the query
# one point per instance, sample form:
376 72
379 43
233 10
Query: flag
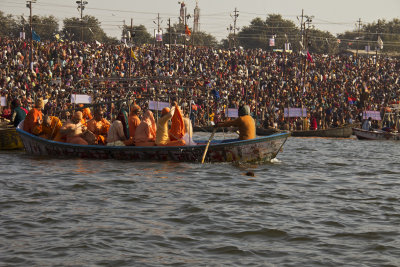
57 36
271 42
35 36
309 58
98 43
338 41
380 42
133 55
187 30
287 46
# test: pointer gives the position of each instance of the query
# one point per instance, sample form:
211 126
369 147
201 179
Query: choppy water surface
323 202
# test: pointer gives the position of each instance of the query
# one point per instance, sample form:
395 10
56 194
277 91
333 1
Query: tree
89 29
8 25
45 27
138 34
321 42
389 32
258 33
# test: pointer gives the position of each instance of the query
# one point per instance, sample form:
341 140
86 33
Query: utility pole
187 16
230 28
169 47
359 27
377 40
236 14
81 6
130 47
29 5
158 28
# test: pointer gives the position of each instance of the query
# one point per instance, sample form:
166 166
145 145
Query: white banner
81 99
157 105
3 101
294 112
272 42
375 115
232 113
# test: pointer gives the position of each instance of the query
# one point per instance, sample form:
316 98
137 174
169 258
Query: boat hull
261 149
9 139
339 132
375 135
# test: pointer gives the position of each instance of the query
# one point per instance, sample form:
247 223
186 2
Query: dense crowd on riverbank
333 89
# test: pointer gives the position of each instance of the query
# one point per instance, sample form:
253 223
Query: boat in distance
9 139
258 150
337 132
375 135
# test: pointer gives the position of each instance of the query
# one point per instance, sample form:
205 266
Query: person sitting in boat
49 128
73 130
99 126
116 135
367 124
18 113
33 116
188 136
177 127
133 123
145 134
245 123
86 116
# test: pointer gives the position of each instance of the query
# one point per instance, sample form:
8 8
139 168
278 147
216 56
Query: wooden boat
259 130
264 132
375 134
259 150
338 132
9 139
210 129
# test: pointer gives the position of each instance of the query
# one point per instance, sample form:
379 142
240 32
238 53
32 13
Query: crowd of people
205 81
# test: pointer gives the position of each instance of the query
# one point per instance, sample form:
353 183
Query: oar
208 144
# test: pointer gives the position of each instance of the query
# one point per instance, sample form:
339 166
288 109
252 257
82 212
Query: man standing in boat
245 123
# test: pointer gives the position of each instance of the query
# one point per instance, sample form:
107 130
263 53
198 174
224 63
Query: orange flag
187 30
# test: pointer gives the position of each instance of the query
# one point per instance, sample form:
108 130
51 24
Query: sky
335 16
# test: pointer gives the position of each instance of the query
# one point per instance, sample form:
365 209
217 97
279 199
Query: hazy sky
335 16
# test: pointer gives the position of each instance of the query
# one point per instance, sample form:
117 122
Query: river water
322 202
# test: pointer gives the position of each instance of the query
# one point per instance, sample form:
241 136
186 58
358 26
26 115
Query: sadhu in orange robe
145 134
100 127
49 129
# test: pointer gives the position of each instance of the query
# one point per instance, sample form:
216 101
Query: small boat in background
338 132
9 139
376 135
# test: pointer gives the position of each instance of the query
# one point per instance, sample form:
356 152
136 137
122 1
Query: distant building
182 13
196 19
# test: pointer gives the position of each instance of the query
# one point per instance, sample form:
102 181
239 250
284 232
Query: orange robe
31 119
133 122
177 130
246 125
145 134
100 129
162 136
51 132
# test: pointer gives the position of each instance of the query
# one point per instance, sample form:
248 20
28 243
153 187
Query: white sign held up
157 105
81 99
